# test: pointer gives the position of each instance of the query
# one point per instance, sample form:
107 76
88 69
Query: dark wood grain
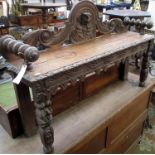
26 109
94 83
11 121
96 114
114 129
68 65
60 67
129 136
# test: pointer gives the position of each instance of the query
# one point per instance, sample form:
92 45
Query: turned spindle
10 44
140 25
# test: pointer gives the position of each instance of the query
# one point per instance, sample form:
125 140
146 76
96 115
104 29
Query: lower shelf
87 124
84 128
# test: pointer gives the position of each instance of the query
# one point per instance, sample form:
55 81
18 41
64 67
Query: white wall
151 9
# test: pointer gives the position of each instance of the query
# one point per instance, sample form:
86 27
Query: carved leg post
44 117
144 69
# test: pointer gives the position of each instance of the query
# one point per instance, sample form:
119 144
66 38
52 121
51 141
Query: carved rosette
43 110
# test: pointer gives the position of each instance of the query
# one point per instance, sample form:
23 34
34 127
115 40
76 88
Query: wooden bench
60 67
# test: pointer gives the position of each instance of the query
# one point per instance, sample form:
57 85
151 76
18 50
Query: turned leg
44 117
144 69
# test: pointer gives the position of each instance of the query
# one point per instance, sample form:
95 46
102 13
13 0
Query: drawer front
126 116
93 143
128 137
65 99
96 82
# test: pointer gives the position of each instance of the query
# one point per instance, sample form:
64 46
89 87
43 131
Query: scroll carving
81 25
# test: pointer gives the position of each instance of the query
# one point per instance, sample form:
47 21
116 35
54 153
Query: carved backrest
81 25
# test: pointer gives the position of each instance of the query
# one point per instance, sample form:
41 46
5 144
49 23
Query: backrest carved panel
81 25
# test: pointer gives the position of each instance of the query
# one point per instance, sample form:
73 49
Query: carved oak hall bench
60 67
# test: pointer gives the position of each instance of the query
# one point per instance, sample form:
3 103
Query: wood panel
126 116
26 108
65 99
129 136
87 120
93 143
96 82
11 121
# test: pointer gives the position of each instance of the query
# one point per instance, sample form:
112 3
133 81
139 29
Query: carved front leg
44 116
144 69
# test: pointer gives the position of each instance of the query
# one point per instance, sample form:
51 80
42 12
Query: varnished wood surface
131 134
92 84
95 113
52 60
97 82
116 129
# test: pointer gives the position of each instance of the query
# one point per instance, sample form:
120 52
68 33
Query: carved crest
81 25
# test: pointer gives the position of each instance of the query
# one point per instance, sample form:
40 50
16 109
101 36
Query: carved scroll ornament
80 26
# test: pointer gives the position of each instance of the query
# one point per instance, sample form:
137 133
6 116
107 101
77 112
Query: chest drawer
128 137
65 99
95 82
92 144
126 116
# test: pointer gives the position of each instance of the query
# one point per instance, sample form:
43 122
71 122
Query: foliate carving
70 75
44 115
25 51
80 26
